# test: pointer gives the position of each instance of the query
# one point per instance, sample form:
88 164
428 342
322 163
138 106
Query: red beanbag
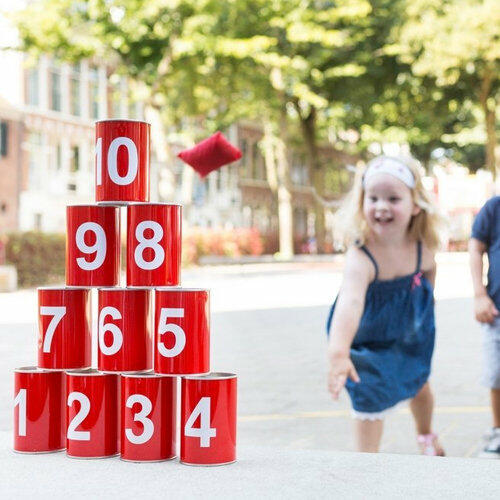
210 154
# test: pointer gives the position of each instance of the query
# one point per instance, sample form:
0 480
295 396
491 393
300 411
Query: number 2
79 417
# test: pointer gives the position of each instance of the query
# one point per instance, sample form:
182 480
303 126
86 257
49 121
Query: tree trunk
489 105
308 125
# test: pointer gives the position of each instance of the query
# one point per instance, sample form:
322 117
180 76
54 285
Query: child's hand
484 309
341 367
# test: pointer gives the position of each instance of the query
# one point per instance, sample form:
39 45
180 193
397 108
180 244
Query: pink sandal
429 445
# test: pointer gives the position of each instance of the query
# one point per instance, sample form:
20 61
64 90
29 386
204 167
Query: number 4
204 431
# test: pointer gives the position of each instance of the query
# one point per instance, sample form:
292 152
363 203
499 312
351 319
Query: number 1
20 400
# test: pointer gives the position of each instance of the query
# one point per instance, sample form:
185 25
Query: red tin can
153 244
124 330
122 161
93 245
208 419
148 417
64 328
39 415
182 331
92 414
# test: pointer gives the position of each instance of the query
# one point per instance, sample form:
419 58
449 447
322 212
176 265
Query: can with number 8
208 419
148 417
122 161
64 324
92 246
92 414
153 244
39 415
124 330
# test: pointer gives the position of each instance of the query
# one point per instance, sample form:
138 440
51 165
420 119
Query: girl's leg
368 434
495 406
421 406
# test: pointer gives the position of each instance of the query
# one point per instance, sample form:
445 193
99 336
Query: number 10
113 161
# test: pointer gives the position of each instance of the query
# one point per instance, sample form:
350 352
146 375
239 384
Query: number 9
99 247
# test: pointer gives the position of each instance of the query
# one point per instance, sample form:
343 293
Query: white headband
392 166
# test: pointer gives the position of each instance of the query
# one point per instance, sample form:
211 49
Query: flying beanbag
210 154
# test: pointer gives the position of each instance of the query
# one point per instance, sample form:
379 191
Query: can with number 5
64 325
92 245
153 244
122 161
148 417
208 419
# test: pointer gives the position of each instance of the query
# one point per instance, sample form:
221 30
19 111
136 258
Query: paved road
268 326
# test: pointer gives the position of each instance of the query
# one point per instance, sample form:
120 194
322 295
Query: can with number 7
182 331
92 245
64 324
153 244
208 419
148 417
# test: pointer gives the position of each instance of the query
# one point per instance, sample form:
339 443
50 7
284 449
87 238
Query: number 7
57 313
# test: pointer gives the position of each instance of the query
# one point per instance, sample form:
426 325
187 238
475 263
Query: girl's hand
484 309
341 367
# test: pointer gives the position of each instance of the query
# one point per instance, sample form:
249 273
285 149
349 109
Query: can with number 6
182 331
92 245
124 330
153 244
39 414
148 417
92 414
208 419
122 161
64 325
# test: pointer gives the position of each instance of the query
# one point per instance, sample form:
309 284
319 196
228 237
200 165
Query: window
32 86
38 222
34 166
58 157
74 90
75 159
55 87
4 134
114 96
94 92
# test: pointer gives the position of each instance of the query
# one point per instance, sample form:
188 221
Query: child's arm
484 308
350 304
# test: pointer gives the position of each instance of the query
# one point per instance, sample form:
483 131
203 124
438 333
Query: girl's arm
350 305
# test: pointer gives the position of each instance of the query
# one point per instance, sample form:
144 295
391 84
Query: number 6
105 327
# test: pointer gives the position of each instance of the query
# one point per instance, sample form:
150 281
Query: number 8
149 243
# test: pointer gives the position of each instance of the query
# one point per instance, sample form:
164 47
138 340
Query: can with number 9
208 419
153 244
92 245
148 417
122 161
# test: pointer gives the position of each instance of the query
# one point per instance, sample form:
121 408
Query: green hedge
38 257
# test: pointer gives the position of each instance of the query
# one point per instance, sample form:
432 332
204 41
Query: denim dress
392 348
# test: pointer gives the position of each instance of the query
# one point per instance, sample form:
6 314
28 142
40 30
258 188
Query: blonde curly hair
351 228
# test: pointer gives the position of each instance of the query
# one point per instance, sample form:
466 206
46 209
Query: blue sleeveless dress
392 349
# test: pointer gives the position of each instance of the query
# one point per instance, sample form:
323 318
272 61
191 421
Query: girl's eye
393 199
373 199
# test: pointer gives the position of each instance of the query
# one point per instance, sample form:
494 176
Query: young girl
382 322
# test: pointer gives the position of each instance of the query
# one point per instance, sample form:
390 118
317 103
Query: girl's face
388 206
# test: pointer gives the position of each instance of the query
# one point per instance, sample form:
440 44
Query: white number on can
142 417
152 242
204 431
118 142
109 327
99 247
20 400
164 327
57 314
79 417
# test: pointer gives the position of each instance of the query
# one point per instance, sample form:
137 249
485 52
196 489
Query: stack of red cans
150 332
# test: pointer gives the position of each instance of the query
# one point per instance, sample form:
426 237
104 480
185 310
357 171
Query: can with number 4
92 414
64 326
148 417
208 419
124 330
153 244
182 331
39 414
122 161
92 246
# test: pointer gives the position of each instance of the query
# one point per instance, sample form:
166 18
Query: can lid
89 205
31 369
63 288
123 288
156 203
88 372
211 376
122 120
180 289
149 374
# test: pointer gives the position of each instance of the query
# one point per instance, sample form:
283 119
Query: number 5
164 327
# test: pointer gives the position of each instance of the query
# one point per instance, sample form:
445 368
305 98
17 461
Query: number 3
141 416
